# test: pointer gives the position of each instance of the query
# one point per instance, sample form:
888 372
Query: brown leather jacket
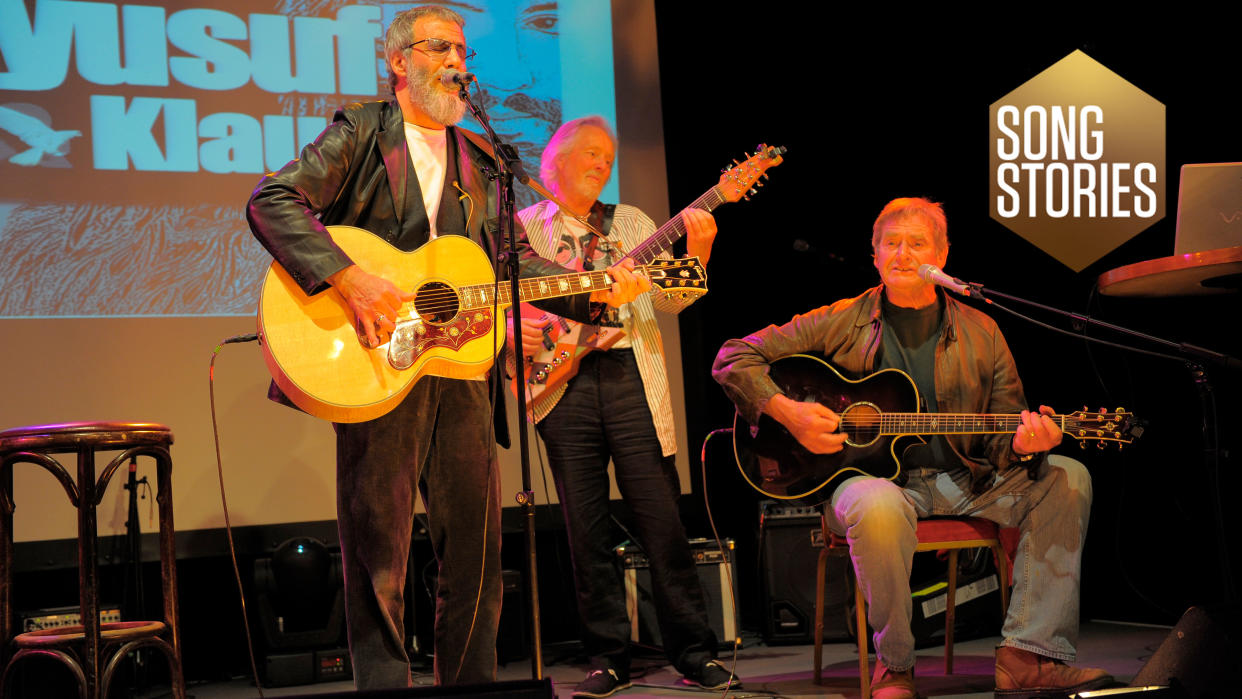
974 370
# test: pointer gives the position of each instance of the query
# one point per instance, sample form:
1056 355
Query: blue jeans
878 518
604 415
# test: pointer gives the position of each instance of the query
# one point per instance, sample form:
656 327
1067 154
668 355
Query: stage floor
785 671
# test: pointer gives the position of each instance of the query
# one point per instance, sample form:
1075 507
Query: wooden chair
89 647
951 534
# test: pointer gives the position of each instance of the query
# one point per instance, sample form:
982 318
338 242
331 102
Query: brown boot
886 684
1021 674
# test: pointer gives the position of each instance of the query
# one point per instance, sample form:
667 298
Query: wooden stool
83 648
951 534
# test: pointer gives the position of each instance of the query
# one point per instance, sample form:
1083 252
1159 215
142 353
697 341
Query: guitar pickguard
413 338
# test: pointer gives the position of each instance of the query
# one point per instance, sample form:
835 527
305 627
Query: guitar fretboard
673 229
535 288
940 423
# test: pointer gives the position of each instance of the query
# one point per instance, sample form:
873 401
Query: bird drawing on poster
40 137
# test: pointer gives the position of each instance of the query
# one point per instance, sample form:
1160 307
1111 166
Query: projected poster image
132 135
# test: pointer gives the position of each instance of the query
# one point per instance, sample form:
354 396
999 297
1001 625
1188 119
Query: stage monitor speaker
514 689
1198 655
789 555
713 577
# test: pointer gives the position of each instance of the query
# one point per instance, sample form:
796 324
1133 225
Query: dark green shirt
909 344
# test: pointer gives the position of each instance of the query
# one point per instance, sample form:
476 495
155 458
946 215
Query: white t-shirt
429 153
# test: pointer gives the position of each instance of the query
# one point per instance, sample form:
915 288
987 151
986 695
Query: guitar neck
941 423
535 288
673 229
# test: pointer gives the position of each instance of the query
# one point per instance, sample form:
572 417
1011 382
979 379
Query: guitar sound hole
436 303
861 424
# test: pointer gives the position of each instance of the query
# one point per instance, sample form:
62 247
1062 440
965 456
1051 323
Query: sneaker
714 676
1021 674
601 683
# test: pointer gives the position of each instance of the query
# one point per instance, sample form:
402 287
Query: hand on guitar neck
1037 433
700 233
626 285
375 302
812 424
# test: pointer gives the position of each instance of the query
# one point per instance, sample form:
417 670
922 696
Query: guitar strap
600 217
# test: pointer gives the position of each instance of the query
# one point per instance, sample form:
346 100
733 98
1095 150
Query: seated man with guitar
616 407
400 170
960 363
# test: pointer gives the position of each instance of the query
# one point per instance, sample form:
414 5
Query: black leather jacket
974 372
358 172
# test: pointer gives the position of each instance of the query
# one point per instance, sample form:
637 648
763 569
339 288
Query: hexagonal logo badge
1077 160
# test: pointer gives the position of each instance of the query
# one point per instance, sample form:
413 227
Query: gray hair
906 208
401 32
564 136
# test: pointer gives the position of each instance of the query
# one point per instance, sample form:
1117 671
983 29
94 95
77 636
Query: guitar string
446 299
674 228
442 300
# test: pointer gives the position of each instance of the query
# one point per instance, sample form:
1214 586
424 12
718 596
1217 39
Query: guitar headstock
676 284
742 180
1118 427
684 273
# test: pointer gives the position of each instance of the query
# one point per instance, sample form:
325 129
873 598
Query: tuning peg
1082 445
745 197
764 175
753 191
1120 411
1100 445
758 184
1103 411
735 162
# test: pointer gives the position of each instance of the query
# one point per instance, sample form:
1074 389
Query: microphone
933 275
454 79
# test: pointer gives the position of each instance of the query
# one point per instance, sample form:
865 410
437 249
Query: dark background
898 106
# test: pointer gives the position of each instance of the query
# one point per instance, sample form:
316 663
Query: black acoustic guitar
881 416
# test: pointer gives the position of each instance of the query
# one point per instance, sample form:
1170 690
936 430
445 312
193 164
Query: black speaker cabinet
710 562
1198 655
789 547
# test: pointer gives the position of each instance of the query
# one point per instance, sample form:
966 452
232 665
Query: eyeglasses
439 48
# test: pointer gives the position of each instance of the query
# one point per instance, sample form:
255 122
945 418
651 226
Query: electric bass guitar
565 342
316 357
881 417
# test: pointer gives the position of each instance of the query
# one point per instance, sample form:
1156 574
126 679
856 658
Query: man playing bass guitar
960 364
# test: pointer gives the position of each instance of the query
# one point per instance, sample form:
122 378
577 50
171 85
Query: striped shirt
556 240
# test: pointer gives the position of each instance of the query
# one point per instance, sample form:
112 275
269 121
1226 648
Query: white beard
444 107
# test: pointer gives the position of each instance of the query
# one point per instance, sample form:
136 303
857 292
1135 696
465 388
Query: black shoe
601 683
714 676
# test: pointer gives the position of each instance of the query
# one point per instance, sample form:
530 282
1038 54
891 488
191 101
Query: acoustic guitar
316 357
881 417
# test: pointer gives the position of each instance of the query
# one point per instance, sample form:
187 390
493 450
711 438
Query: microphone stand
508 166
1194 358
